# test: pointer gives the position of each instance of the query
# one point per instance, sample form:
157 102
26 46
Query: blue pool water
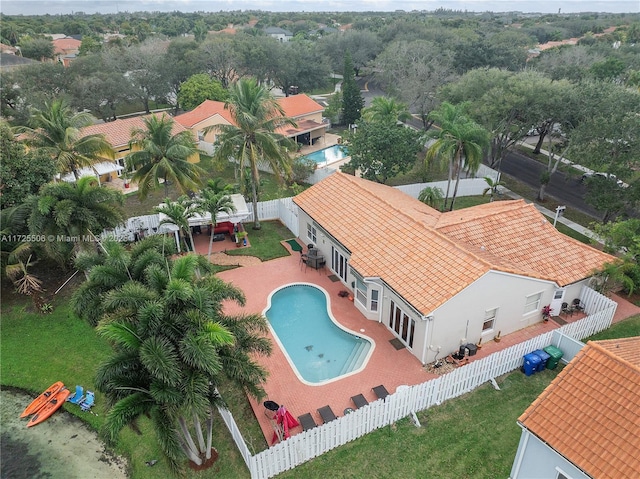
328 155
317 348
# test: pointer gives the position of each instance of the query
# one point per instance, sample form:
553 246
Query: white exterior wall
459 320
535 459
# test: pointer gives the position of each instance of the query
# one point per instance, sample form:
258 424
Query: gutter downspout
516 469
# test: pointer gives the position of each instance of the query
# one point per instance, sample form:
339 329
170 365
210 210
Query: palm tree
72 214
159 154
214 201
432 196
459 141
386 109
58 131
252 138
178 213
492 187
172 347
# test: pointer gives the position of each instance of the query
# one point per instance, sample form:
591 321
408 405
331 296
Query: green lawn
270 189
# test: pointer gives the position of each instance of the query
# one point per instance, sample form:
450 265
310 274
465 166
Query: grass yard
270 188
475 435
39 349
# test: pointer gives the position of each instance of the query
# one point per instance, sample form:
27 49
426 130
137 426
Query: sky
53 7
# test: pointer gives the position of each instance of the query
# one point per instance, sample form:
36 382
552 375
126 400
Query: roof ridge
433 230
611 354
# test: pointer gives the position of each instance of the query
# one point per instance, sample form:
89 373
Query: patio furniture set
327 414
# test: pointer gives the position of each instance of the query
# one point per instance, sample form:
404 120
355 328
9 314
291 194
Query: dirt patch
206 464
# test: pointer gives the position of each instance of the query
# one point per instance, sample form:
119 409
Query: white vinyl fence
407 400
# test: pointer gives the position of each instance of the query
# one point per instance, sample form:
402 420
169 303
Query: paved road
566 189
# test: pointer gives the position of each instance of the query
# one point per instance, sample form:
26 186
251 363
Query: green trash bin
555 355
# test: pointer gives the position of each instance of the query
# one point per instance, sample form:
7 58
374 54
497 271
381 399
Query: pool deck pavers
387 365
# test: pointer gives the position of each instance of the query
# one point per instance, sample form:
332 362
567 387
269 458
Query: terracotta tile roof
65 45
296 106
386 232
590 412
204 110
406 243
516 233
118 132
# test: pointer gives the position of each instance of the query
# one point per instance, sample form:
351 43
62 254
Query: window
374 300
361 291
532 303
489 319
311 233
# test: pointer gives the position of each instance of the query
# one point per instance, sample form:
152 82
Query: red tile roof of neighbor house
66 45
118 132
203 111
407 243
294 107
590 413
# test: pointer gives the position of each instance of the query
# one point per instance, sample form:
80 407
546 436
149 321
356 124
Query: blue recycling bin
531 364
544 357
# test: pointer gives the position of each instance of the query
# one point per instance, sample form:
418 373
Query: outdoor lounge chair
381 392
327 414
77 397
359 400
89 399
307 422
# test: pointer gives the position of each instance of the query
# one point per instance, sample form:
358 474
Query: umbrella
284 422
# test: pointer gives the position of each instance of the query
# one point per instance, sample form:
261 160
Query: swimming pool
318 348
328 155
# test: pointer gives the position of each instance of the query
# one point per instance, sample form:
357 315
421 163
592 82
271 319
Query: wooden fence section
406 400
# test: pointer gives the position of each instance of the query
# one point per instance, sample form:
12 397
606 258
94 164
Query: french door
403 324
339 264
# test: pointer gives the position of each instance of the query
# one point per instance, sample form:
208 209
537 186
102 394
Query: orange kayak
51 406
38 402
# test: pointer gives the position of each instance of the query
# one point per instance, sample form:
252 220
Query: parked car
587 175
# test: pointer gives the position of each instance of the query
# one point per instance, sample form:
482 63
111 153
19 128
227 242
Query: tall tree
158 153
352 101
179 213
383 149
460 142
387 110
22 172
252 140
72 215
173 344
215 202
198 88
57 130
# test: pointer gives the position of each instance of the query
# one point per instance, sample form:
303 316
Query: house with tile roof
586 423
118 134
306 112
438 280
66 49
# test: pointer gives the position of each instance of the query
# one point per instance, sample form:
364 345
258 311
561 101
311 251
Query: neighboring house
66 49
118 134
279 34
8 49
9 61
586 423
303 110
439 280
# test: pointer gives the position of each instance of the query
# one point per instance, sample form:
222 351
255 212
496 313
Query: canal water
62 447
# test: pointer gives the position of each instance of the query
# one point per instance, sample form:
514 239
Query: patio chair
577 305
359 400
88 401
307 422
566 310
77 397
326 414
380 391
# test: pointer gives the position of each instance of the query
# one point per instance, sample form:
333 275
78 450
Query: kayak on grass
51 406
40 401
